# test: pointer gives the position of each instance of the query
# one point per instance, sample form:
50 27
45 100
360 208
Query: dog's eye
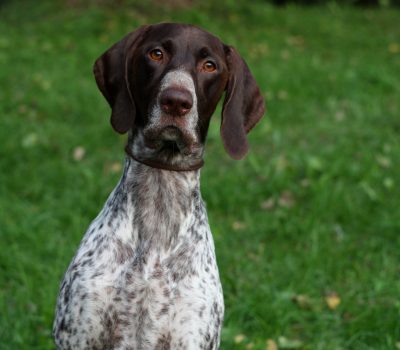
156 55
209 66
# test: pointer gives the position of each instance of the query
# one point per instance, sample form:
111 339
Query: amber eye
209 66
156 55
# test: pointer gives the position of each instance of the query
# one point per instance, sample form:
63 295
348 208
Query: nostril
167 102
186 105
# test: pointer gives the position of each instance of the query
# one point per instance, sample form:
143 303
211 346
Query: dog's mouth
170 139
170 146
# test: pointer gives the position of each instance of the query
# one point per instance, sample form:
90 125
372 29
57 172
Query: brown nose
176 102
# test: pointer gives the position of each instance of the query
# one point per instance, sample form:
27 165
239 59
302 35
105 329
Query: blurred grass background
307 228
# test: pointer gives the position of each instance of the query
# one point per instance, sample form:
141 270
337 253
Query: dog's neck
158 199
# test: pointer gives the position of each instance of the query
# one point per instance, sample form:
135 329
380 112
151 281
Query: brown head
163 83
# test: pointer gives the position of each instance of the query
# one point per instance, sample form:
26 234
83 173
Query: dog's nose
176 102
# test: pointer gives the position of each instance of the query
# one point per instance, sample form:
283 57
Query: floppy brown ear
243 105
110 72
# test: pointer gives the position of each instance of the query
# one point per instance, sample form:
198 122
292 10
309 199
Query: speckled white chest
145 274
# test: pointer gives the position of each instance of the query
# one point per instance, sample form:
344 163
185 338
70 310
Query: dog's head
163 83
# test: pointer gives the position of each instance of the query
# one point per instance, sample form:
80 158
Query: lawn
307 227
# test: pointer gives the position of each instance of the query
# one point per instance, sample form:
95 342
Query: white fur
182 79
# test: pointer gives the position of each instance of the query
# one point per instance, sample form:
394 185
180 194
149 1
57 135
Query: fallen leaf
303 301
115 167
79 153
383 161
22 109
305 183
271 345
285 343
268 204
286 199
239 338
238 225
332 300
295 40
340 116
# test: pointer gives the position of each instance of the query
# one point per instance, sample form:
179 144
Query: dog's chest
144 275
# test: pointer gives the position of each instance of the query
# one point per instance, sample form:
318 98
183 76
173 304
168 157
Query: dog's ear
110 72
243 105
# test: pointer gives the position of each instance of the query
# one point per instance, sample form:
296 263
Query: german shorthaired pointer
145 275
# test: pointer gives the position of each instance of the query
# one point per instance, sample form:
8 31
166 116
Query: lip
170 138
171 133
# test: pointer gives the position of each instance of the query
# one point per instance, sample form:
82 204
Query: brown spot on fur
123 251
164 343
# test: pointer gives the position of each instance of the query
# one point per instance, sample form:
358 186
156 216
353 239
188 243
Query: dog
145 274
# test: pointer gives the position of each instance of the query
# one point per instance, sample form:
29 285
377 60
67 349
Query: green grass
314 209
